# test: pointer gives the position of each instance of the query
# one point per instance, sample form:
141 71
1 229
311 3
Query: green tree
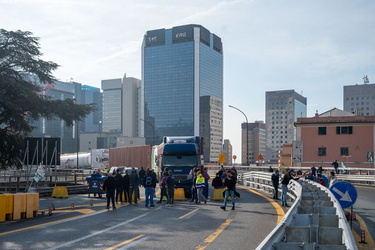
21 74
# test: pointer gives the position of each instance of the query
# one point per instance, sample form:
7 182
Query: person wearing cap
284 186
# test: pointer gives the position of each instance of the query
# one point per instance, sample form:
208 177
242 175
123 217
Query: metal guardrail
295 191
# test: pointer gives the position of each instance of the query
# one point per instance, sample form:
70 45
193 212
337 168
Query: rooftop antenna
365 79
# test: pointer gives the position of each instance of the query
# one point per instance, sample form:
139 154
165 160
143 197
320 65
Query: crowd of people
124 188
314 174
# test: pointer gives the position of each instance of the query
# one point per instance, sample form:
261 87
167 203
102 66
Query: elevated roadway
184 226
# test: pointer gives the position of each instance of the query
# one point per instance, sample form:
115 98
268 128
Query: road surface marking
101 231
214 235
279 210
189 213
370 242
126 242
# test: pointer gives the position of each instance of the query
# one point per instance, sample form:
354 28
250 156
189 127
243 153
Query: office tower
56 127
179 66
256 140
92 122
227 150
360 99
282 110
120 106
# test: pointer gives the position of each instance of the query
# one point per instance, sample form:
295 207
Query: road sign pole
351 217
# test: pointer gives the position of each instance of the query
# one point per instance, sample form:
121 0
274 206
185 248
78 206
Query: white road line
101 232
134 243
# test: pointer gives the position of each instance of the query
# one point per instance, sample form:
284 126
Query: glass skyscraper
179 66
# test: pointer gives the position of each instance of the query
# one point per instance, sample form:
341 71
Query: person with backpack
149 183
163 187
275 183
170 188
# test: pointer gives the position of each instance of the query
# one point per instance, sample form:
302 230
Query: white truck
95 159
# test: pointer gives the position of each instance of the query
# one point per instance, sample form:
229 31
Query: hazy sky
314 47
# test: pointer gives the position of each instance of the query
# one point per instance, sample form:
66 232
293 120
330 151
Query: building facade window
344 151
344 130
322 130
322 151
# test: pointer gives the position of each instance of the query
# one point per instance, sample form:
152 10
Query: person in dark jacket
149 183
126 186
109 186
230 183
170 188
217 182
133 183
163 187
142 174
275 183
284 186
119 186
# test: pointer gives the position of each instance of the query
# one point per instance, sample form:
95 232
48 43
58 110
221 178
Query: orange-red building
337 135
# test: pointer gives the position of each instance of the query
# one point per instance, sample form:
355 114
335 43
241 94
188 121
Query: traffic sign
234 157
345 193
260 157
370 156
221 158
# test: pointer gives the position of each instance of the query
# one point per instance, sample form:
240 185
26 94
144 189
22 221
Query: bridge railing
315 211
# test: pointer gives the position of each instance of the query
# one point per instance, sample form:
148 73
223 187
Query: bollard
363 238
72 206
49 211
53 206
91 202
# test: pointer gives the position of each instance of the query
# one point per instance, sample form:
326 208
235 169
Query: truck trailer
94 159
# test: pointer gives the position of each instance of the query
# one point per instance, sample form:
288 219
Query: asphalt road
184 226
365 216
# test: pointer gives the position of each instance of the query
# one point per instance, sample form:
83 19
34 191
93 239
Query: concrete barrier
314 221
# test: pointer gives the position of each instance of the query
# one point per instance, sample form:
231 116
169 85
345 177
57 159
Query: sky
314 47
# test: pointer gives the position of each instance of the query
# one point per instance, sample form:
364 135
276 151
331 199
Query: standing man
229 182
119 186
170 189
199 184
270 169
332 179
275 183
109 186
142 174
313 171
335 166
149 183
133 183
206 178
284 187
125 180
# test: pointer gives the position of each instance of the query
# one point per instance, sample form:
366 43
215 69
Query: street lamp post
153 130
247 135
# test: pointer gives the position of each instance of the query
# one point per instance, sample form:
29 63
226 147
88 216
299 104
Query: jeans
149 192
284 188
200 195
119 193
135 190
205 190
227 194
275 191
163 193
110 197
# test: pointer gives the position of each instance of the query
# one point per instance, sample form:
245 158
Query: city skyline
315 48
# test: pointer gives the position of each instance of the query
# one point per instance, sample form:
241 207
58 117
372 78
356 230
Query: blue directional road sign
345 193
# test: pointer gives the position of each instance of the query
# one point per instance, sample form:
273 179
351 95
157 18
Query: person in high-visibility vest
105 171
200 184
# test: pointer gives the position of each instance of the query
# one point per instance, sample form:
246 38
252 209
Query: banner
40 173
